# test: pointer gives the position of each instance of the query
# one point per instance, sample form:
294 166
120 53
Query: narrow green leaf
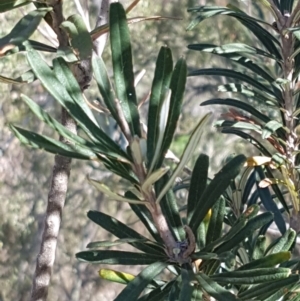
214 289
284 243
238 125
51 145
215 189
158 294
122 66
177 87
108 243
268 202
232 48
270 128
120 230
170 210
239 104
263 35
268 261
112 195
140 282
118 257
277 190
154 177
260 247
67 79
22 30
79 36
232 74
104 85
60 93
248 230
216 221
160 87
6 5
187 153
198 183
59 128
258 290
258 144
249 92
144 216
186 289
253 276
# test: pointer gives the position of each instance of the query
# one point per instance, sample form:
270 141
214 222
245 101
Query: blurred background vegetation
25 173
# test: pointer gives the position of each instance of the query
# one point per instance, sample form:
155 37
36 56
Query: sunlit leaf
79 37
22 30
112 195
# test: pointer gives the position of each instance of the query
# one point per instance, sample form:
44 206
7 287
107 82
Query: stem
60 175
287 44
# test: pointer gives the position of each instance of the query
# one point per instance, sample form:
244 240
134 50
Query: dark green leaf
264 36
158 294
216 221
198 183
214 289
239 104
6 5
215 189
261 147
170 210
232 74
177 87
233 48
108 243
268 202
284 243
159 90
186 289
120 230
258 290
277 190
267 261
260 247
57 126
144 216
51 145
122 66
248 230
60 93
253 276
104 85
118 257
140 282
249 92
286 5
